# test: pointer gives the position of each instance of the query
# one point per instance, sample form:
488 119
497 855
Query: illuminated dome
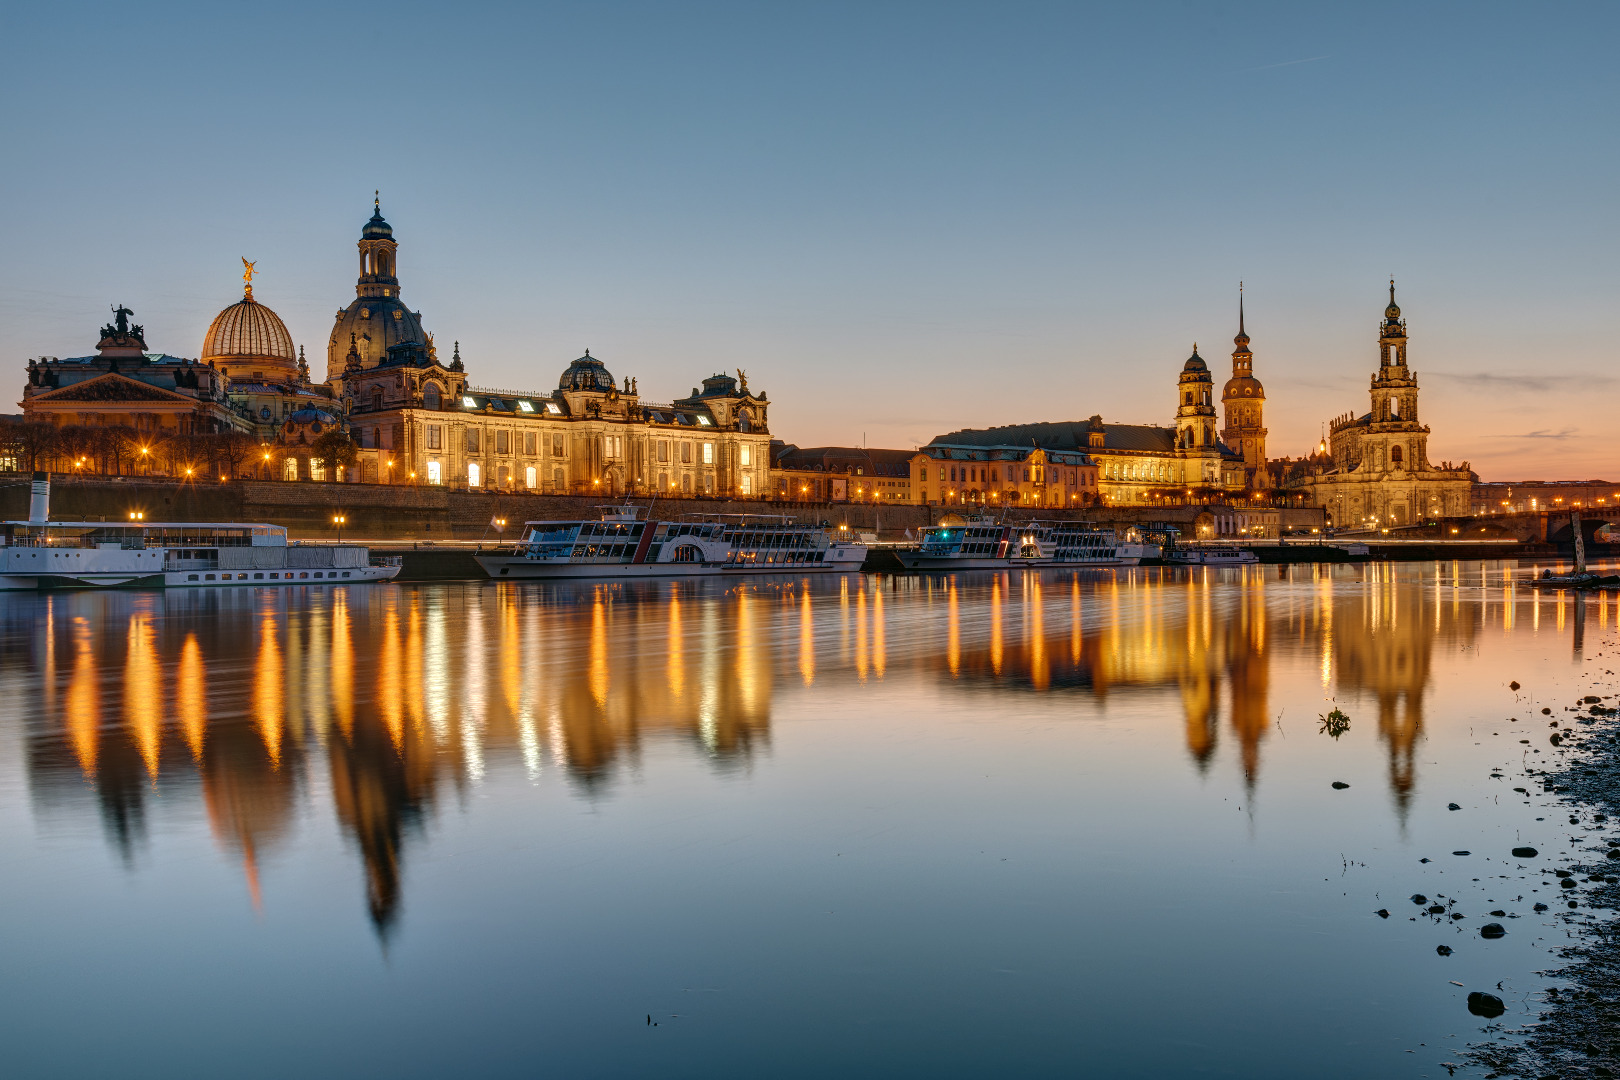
1195 362
248 337
586 373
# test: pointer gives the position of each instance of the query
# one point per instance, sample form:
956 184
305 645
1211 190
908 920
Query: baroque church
1376 472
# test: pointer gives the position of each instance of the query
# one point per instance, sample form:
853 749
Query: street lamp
339 520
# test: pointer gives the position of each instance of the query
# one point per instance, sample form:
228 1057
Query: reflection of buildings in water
1382 641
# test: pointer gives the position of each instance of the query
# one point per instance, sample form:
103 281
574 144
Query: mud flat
1577 1033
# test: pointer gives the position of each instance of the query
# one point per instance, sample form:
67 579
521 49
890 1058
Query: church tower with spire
377 320
1244 402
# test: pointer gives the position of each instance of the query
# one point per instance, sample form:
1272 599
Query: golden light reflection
861 656
598 660
807 640
143 695
880 648
190 699
269 687
675 666
953 633
390 678
342 663
996 645
84 698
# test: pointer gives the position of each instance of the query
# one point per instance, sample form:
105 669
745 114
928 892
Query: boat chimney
39 501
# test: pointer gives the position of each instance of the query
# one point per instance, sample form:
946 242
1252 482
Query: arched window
376 400
430 396
1395 456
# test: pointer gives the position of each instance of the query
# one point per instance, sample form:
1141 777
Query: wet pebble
1437 909
1492 930
1443 950
1487 1005
1452 806
1339 785
1541 907
1462 852
1525 853
1419 898
1382 913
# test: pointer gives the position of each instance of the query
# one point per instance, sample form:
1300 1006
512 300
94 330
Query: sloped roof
112 387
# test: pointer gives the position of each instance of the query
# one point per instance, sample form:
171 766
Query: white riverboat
620 544
623 544
44 554
775 544
984 544
1210 554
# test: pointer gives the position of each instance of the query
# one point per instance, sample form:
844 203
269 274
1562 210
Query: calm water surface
1027 824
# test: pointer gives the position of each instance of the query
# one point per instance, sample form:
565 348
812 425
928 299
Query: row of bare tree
124 451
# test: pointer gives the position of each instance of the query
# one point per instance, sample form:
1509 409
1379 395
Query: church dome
377 228
377 323
247 332
586 373
1241 386
1195 362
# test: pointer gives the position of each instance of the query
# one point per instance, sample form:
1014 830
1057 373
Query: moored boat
983 544
1210 554
44 554
619 544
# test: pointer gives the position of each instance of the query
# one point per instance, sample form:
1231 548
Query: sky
900 219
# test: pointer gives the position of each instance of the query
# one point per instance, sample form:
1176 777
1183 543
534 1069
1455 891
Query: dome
1243 386
249 332
586 373
377 323
314 416
1195 362
377 228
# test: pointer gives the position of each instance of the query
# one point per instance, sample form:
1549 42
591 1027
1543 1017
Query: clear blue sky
899 218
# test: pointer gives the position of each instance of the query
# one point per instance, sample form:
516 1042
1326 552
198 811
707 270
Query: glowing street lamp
340 520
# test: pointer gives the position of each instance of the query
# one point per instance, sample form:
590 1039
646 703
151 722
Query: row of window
288 576
970 474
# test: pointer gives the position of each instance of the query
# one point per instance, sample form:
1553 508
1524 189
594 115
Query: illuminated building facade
1243 401
126 386
1129 464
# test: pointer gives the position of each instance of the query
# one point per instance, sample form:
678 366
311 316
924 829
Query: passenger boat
618 544
1210 555
623 544
775 544
984 544
44 554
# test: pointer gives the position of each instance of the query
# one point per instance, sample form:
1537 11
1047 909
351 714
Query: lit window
434 475
708 453
747 454
704 420
551 407
473 475
469 402
525 406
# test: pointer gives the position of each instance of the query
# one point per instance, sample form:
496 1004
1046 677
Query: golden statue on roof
247 278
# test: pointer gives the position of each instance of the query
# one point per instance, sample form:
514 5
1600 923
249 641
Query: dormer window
468 402
704 420
524 406
553 409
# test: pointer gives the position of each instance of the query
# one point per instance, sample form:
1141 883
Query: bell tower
377 250
1195 409
1244 401
1394 388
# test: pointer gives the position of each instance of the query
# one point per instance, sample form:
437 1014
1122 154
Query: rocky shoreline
1577 1033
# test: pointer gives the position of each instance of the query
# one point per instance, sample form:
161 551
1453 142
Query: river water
1025 824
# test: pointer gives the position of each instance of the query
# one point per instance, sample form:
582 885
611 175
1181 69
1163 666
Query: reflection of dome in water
249 335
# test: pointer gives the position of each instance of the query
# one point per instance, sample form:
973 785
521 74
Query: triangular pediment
112 387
